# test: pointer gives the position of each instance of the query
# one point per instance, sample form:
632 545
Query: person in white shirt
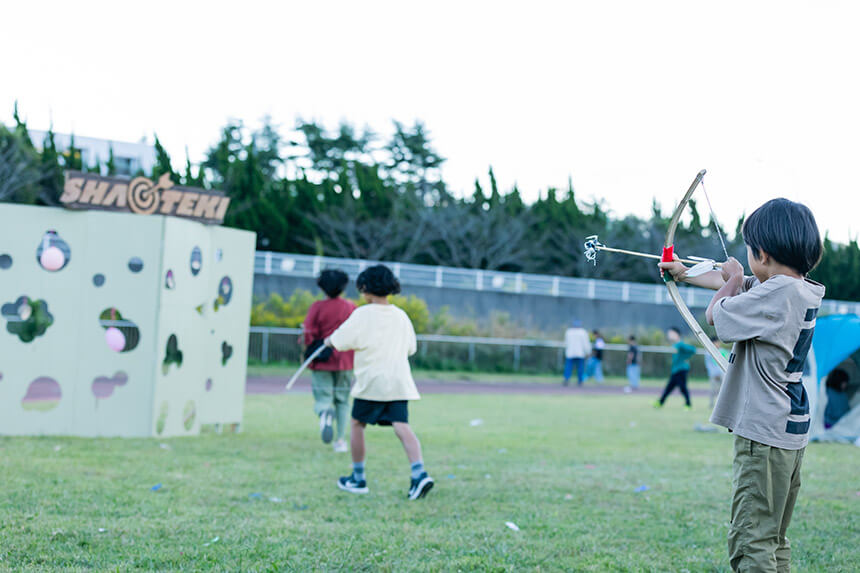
383 339
576 347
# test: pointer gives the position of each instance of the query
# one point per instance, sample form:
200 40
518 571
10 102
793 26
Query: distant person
595 363
383 339
332 372
576 347
680 368
838 403
715 373
633 367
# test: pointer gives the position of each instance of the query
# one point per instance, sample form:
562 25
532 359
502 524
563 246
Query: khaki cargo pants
764 488
331 391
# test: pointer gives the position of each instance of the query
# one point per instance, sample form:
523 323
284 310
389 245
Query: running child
680 368
770 318
383 339
331 375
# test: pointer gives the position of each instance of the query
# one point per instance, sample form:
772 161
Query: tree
110 164
162 163
414 163
51 170
19 173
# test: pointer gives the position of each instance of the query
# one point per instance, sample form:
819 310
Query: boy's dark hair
332 282
631 338
674 329
786 231
378 280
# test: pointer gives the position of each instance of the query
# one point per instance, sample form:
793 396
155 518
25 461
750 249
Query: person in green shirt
680 368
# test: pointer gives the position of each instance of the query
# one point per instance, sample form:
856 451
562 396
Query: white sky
630 98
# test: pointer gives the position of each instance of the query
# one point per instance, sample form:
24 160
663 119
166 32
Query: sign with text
143 196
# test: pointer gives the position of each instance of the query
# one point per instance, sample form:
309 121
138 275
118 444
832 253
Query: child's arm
711 280
347 335
733 275
684 348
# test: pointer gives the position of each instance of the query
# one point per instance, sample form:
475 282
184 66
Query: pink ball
52 259
115 339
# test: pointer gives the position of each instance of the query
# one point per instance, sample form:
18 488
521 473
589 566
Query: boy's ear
763 257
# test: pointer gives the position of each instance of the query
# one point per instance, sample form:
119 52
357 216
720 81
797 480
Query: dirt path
275 385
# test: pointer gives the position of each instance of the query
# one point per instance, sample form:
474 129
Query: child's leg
598 370
682 384
783 553
580 369
356 441
670 385
322 386
409 440
341 401
568 369
764 486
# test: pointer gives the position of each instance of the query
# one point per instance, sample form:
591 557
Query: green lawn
286 369
562 468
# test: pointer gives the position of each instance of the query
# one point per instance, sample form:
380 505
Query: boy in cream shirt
383 339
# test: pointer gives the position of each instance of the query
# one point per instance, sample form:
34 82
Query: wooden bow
674 294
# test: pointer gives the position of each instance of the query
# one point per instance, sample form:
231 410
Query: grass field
562 468
286 369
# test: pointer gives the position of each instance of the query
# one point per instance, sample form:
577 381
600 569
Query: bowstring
714 220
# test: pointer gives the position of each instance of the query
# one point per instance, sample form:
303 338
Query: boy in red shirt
332 376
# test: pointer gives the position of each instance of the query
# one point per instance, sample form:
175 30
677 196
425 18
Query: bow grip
668 257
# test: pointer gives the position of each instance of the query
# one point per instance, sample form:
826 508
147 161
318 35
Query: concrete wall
546 313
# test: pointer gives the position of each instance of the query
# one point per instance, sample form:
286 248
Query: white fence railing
308 266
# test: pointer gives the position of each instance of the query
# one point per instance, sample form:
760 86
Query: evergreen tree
110 165
162 163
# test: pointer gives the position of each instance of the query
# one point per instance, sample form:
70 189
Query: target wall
118 324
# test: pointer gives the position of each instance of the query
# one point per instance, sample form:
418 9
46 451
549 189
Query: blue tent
836 338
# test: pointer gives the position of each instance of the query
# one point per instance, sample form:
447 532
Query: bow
668 256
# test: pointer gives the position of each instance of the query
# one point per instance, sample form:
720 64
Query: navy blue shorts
380 413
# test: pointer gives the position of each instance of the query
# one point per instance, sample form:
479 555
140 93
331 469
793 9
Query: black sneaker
326 430
352 485
420 486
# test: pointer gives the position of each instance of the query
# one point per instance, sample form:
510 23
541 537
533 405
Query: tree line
352 193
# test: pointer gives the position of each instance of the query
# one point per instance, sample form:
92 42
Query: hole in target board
27 318
196 261
225 293
172 354
43 394
135 264
5 261
162 418
188 415
103 386
226 353
121 334
53 253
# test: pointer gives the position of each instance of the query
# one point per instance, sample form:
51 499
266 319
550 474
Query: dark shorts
380 413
